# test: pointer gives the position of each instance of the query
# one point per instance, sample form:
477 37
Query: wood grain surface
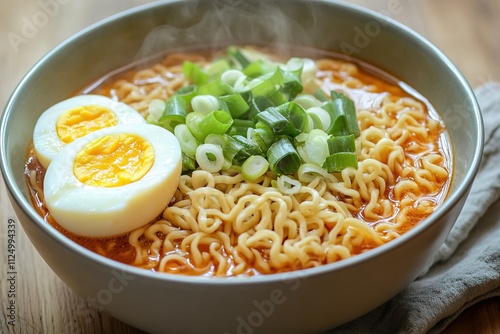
467 31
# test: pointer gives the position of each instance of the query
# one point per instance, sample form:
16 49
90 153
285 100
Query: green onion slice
217 68
341 144
273 119
234 151
257 104
232 76
338 126
309 172
303 154
287 185
227 145
254 167
320 95
282 157
188 163
316 146
192 121
187 93
237 56
240 127
216 88
216 122
343 115
155 110
292 72
186 140
288 119
320 118
236 104
258 68
297 118
247 146
349 110
307 101
194 73
339 161
174 114
210 157
205 103
267 85
262 136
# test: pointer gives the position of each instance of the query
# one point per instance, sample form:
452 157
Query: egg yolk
114 160
79 121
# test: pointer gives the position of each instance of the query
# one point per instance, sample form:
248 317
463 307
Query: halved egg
74 118
113 180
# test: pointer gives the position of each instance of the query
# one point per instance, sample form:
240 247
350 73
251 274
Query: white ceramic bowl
298 302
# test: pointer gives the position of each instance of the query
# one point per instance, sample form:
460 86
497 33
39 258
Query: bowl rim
75 248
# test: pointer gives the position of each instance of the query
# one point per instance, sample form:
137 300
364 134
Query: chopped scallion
247 110
217 68
349 110
188 163
282 157
338 126
342 144
174 114
258 68
192 122
187 93
309 172
236 104
231 76
287 185
248 148
155 110
205 104
186 140
320 117
240 127
320 95
296 116
339 161
194 73
237 56
210 157
216 122
316 146
307 101
254 167
261 136
216 88
273 119
269 84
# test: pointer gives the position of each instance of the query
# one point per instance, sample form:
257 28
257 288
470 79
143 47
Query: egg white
45 138
99 211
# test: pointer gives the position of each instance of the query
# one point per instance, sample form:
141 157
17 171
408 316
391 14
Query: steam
211 24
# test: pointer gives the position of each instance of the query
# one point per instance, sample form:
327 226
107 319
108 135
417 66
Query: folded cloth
466 269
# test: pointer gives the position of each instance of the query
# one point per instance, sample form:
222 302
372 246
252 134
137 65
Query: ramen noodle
219 224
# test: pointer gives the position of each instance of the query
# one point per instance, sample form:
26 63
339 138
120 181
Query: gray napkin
466 269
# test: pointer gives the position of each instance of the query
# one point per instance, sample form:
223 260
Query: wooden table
467 31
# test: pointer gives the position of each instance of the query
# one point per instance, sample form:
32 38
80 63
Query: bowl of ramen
231 166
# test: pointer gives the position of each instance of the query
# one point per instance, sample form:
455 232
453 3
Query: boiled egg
74 118
113 180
